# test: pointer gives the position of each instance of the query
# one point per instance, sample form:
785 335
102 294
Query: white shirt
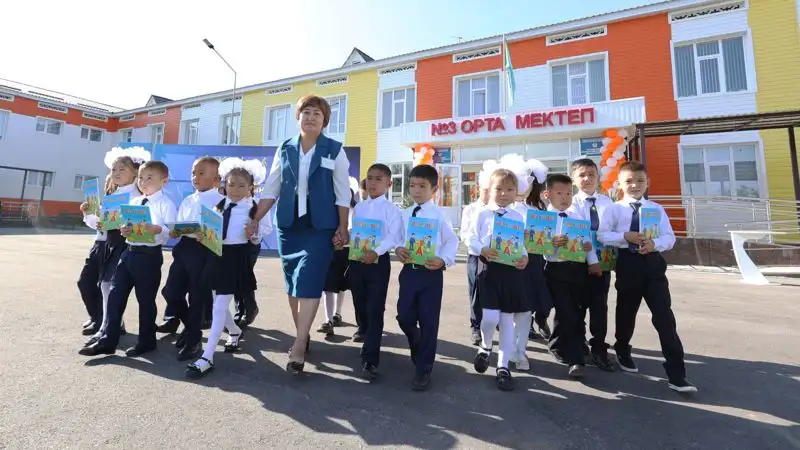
162 212
341 179
617 221
446 239
468 217
387 212
92 220
581 202
483 227
240 217
190 208
573 213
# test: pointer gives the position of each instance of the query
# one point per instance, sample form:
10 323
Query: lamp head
208 44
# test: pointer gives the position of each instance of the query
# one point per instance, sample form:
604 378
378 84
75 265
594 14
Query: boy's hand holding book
152 229
489 253
84 207
434 263
522 262
587 246
647 247
634 237
369 257
560 240
125 230
402 253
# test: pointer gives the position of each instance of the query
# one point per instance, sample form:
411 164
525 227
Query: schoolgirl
500 288
124 165
89 279
235 268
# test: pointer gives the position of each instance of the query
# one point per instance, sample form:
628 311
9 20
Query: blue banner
591 146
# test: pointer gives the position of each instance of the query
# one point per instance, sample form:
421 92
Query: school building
672 60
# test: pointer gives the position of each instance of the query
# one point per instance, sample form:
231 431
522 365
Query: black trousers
644 276
89 282
369 284
139 268
475 310
595 301
245 302
191 273
419 306
566 282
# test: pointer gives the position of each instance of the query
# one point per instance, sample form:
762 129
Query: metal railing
18 211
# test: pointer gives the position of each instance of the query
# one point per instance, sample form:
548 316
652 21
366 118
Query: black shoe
92 340
188 352
169 326
576 371
682 386
181 341
369 371
600 359
421 382
295 368
544 329
327 328
250 317
533 334
196 372
139 349
481 361
358 337
98 348
337 320
91 329
626 363
232 345
503 380
476 337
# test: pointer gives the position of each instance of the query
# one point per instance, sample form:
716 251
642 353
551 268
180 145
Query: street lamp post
233 97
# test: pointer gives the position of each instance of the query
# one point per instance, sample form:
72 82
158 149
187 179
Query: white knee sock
330 304
105 289
339 302
491 317
522 325
221 318
507 341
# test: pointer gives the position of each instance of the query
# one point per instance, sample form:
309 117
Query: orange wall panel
171 120
28 107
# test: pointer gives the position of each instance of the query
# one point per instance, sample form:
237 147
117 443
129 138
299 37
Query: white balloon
605 170
618 154
622 132
611 162
606 141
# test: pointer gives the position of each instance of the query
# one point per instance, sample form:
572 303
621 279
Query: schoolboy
190 272
369 277
566 280
641 273
467 219
420 301
140 267
595 295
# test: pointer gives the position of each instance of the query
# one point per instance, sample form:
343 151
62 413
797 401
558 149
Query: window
126 135
191 129
92 134
230 129
478 96
48 126
80 179
40 179
579 83
338 115
710 67
278 120
728 171
3 122
400 173
398 107
157 134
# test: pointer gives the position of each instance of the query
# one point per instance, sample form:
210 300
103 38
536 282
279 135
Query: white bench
748 269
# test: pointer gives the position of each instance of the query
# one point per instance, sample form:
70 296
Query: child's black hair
382 167
248 176
583 162
534 197
425 172
557 178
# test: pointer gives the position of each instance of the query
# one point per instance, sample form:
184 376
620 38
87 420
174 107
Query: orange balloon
618 140
610 133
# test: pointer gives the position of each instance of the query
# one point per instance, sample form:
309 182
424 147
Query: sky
119 53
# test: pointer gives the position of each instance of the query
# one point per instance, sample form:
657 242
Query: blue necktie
226 219
595 219
144 202
415 211
635 224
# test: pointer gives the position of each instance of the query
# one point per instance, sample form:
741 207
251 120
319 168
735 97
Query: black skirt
115 245
234 274
336 280
502 287
538 294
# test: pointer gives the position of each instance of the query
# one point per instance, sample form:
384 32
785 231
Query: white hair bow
255 167
138 154
538 170
516 164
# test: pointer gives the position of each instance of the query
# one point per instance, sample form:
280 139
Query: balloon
618 154
606 141
610 133
611 162
623 133
605 170
618 140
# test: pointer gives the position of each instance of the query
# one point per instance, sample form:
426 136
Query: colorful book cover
649 220
211 229
606 256
421 239
365 236
577 232
91 192
111 218
539 232
184 228
136 217
508 239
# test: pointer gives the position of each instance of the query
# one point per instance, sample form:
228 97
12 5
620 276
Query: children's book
578 232
137 217
606 256
211 229
365 236
91 192
507 239
649 220
539 232
111 215
184 228
421 239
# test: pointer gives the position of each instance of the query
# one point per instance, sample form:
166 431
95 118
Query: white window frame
405 99
268 122
398 178
759 159
185 127
153 127
224 140
122 132
576 59
485 75
343 121
38 182
749 62
84 178
46 120
89 134
5 115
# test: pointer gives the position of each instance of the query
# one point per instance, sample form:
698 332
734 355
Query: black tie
635 224
226 218
415 211
562 214
501 212
593 217
144 202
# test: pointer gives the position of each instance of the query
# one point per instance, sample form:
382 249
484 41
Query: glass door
448 196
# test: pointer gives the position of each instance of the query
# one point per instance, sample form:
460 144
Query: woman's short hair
313 100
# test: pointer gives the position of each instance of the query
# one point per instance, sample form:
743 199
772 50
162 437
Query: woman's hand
341 237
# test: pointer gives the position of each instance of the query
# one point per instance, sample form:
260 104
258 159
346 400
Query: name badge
327 163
